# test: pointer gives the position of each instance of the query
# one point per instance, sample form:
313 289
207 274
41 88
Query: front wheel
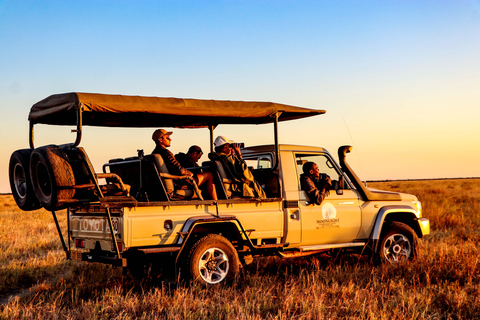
398 243
213 260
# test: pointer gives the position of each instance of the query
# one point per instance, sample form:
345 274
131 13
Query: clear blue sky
400 80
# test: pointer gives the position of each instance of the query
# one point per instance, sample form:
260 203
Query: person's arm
174 166
326 183
314 194
236 149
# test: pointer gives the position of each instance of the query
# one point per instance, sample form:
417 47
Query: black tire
51 175
213 260
20 182
398 243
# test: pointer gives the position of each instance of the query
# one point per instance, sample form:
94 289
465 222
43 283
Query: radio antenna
354 147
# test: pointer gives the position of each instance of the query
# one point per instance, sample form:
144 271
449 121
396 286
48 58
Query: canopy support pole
79 126
277 150
277 147
210 128
30 135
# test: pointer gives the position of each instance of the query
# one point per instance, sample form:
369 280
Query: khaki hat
221 140
160 133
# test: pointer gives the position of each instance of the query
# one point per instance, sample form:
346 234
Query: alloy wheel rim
213 265
397 248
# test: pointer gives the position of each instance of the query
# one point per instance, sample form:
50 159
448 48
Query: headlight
418 205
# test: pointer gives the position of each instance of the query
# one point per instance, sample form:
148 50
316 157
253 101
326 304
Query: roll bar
78 138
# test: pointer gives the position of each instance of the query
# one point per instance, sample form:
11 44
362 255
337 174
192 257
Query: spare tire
20 183
52 175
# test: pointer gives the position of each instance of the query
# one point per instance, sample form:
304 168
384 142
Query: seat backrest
152 183
221 170
162 168
128 171
227 183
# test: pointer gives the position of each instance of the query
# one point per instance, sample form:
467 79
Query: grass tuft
36 282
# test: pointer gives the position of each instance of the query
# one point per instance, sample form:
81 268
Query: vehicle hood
404 196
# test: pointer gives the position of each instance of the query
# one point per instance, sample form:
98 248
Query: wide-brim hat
221 140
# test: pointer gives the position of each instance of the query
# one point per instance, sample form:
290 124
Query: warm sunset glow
400 80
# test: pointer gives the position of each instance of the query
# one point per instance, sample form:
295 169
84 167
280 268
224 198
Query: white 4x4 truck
130 215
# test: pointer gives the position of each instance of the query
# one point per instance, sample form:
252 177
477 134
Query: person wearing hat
190 159
229 154
162 141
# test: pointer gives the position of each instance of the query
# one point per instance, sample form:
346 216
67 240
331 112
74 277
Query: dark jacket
244 183
315 189
173 166
185 161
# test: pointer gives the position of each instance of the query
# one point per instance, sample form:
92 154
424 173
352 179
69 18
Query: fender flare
380 219
191 223
383 213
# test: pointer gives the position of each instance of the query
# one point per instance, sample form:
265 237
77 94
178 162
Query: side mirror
341 185
341 182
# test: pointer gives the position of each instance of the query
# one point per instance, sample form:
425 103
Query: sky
400 80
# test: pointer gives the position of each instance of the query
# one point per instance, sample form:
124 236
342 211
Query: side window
260 166
324 164
259 162
264 163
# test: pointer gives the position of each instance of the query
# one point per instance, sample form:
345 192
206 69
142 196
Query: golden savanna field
36 282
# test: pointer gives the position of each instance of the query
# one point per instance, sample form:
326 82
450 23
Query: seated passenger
162 141
316 186
229 154
190 159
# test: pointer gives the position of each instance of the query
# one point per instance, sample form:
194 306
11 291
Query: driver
317 186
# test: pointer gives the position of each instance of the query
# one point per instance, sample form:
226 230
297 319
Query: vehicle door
338 218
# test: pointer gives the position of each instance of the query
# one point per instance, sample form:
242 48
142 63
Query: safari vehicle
130 215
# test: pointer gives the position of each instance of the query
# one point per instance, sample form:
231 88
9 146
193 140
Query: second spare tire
52 176
20 182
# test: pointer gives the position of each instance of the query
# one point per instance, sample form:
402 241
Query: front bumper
424 225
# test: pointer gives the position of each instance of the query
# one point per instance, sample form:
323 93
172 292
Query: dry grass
443 283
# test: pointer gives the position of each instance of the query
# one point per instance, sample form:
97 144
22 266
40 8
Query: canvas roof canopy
136 111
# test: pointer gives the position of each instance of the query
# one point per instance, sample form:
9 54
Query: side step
332 246
159 250
272 246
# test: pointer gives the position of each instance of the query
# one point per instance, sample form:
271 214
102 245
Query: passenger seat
167 179
227 183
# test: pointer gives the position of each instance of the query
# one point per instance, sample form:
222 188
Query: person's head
162 137
223 145
311 169
195 153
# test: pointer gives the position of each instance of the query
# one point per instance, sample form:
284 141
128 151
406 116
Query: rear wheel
398 243
213 260
52 175
20 182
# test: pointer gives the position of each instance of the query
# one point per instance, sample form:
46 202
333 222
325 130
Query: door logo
329 211
329 215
